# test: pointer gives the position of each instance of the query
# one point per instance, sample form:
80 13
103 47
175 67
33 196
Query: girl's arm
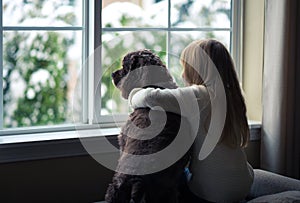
178 100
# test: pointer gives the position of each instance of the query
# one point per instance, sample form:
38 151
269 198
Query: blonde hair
236 130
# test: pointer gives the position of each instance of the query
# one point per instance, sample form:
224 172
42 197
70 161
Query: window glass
134 13
189 15
43 83
40 72
179 40
41 62
42 12
208 13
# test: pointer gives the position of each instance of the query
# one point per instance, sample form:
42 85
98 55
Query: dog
160 186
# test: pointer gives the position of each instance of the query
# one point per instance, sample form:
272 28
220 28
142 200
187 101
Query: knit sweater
225 175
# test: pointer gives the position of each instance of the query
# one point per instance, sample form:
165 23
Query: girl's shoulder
200 92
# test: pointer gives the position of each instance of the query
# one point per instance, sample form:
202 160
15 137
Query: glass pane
40 71
42 12
115 46
134 13
179 40
208 13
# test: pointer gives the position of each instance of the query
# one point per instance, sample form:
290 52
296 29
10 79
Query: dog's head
142 68
135 60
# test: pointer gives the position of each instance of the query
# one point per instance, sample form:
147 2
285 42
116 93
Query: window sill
36 146
14 148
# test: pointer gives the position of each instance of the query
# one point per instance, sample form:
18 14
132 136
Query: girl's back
225 175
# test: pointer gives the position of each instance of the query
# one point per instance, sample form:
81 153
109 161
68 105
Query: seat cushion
282 197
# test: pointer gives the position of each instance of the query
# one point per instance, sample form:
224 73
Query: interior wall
78 179
253 41
73 179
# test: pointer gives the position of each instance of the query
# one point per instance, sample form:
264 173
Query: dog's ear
117 76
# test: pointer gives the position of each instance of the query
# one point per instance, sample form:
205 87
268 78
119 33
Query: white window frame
84 28
237 36
92 30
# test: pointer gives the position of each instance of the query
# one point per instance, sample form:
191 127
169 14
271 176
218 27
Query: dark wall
74 179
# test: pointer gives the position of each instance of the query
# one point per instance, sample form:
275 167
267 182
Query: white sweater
225 175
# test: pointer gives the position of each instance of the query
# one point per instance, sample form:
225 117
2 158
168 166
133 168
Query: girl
224 175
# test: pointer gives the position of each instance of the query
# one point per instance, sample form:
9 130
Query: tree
37 63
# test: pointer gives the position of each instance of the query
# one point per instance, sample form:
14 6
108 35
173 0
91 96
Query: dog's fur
160 186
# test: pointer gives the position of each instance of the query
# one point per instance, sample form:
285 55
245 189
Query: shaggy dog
161 186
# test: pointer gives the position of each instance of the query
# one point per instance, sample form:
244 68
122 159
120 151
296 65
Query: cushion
282 197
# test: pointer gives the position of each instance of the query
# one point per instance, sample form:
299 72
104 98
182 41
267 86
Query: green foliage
39 61
48 105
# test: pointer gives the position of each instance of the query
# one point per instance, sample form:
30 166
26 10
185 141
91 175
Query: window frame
237 36
85 38
92 38
235 49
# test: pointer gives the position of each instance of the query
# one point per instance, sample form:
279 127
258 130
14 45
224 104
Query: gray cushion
283 197
267 183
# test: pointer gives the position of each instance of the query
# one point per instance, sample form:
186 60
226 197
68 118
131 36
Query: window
163 26
41 52
57 56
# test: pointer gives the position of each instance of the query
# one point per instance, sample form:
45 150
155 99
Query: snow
111 104
113 13
17 13
39 77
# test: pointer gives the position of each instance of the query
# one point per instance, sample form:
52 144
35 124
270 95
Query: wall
253 42
73 179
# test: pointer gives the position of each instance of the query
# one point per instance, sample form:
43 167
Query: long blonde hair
236 130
